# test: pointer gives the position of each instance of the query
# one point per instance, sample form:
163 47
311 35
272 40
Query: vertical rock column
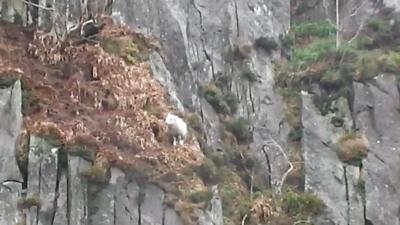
43 182
10 125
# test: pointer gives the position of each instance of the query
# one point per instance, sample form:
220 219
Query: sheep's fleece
177 128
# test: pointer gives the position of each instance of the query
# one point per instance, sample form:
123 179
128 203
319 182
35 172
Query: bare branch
355 12
244 219
338 28
274 143
302 221
357 33
37 5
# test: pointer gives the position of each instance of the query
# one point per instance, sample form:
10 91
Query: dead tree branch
302 221
244 219
37 5
272 142
357 33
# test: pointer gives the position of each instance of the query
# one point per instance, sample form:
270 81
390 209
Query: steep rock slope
199 38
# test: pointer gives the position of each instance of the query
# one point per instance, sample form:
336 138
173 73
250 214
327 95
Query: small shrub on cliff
314 51
225 104
208 172
242 51
319 29
352 148
195 122
125 48
200 196
28 202
266 43
240 127
301 205
96 173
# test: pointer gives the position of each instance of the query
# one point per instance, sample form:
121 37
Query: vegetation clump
222 103
208 172
201 196
266 43
96 173
317 60
130 51
301 205
321 29
240 127
28 202
352 148
286 208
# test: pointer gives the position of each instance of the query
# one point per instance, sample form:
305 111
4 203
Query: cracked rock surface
10 125
376 104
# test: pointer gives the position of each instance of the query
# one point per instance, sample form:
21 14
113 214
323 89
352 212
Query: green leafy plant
301 205
320 29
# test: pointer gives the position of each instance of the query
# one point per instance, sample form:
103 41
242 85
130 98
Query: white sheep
177 128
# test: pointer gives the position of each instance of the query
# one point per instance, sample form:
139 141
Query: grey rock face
10 125
128 203
77 191
213 215
162 75
376 107
325 175
42 181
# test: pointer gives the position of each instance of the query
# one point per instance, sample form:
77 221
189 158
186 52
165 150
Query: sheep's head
170 119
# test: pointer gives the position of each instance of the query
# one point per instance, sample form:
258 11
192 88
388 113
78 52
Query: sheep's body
177 128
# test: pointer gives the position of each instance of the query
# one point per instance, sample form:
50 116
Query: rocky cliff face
230 44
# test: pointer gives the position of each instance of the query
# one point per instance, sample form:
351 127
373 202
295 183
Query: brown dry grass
352 147
89 98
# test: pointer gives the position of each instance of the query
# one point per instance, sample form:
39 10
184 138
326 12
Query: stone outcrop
10 177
